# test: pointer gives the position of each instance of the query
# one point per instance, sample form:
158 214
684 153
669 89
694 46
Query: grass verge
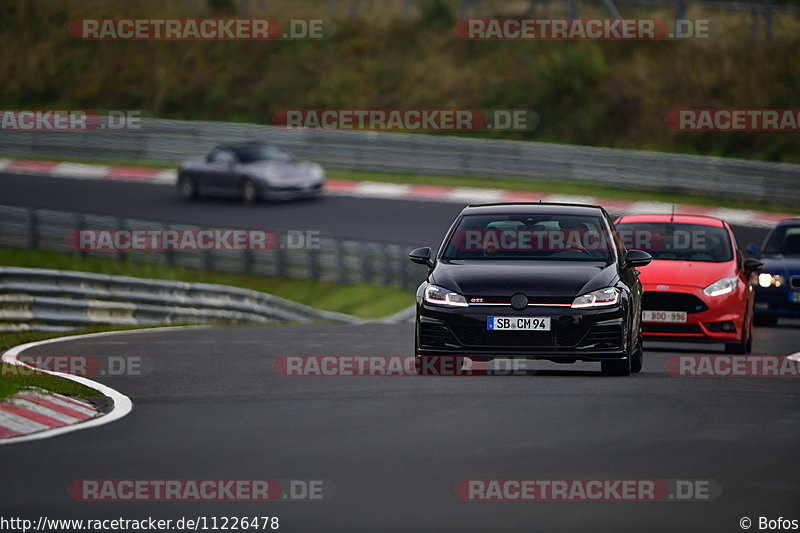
361 300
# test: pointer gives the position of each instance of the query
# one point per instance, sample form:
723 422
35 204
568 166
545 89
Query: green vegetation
14 378
362 300
612 93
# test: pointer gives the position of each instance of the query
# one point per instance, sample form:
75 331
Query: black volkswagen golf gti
535 281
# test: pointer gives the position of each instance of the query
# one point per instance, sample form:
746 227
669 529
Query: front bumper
706 316
776 302
273 192
576 334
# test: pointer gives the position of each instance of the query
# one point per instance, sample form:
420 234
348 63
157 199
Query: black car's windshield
678 242
525 236
784 240
251 154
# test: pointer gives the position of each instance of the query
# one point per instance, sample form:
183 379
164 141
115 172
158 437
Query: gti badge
662 287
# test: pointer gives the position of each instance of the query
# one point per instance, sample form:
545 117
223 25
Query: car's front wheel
249 192
187 188
637 358
745 345
617 367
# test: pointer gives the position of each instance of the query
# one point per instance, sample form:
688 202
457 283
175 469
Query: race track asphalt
210 405
416 223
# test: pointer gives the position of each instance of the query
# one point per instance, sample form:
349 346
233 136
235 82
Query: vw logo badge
519 301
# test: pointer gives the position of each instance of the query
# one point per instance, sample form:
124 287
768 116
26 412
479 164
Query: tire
768 321
187 188
446 365
637 358
744 346
248 192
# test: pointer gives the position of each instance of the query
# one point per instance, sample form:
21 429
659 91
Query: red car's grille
672 301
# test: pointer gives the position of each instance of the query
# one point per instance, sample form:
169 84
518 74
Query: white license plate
518 323
674 317
794 297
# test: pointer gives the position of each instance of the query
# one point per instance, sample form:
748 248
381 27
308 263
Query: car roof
533 208
234 146
701 220
789 222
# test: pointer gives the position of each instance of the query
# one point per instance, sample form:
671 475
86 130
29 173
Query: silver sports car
251 171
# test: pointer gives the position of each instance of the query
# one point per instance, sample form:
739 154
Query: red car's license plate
675 317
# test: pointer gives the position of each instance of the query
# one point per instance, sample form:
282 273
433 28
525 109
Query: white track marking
122 404
80 171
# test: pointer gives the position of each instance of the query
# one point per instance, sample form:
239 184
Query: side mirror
421 256
752 265
637 258
753 250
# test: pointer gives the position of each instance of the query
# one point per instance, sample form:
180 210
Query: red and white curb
34 410
399 191
31 419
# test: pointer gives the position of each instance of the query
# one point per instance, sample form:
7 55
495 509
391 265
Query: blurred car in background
778 284
251 171
697 288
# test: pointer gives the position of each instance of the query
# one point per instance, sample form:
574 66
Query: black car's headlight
771 280
600 298
446 298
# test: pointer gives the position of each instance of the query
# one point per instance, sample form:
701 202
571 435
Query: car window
784 240
672 241
251 154
221 156
526 236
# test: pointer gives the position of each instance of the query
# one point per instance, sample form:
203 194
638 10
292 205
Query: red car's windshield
678 242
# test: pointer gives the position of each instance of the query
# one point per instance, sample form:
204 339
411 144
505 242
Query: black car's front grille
670 328
672 301
476 336
435 335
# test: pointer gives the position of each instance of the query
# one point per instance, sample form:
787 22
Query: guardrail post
206 260
247 262
312 256
366 265
80 224
680 9
341 264
280 258
169 254
384 257
572 9
119 254
768 19
32 229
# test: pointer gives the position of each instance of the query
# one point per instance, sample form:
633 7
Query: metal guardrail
173 140
335 259
53 300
